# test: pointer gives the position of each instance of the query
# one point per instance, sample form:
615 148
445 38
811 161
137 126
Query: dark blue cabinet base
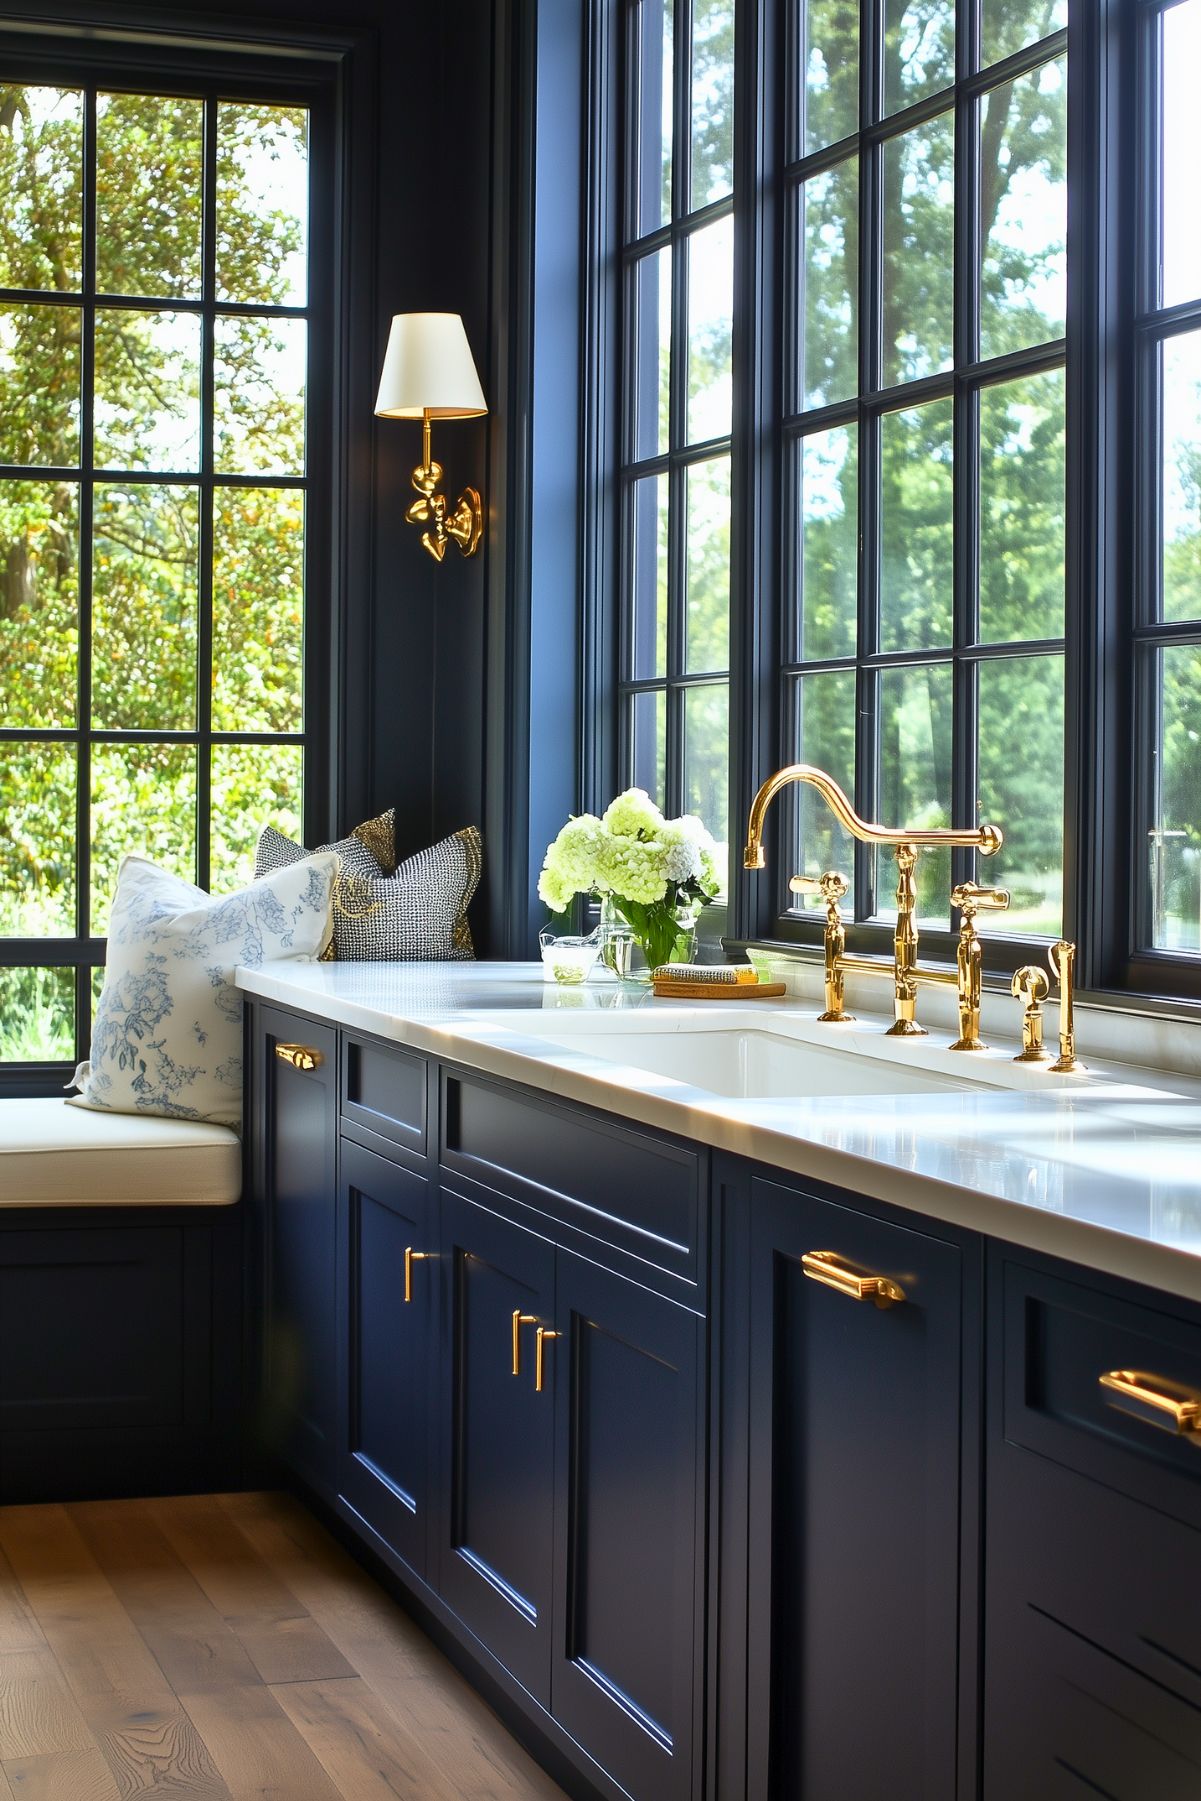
753 1539
120 1352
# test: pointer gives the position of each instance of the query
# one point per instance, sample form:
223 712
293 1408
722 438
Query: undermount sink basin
743 1062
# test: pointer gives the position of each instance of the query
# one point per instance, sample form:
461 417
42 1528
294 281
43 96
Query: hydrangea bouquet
656 873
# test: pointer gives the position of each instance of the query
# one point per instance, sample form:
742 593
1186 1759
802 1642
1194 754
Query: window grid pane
923 536
674 514
170 600
1168 669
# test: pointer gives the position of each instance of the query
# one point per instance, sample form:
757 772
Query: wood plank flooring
224 1646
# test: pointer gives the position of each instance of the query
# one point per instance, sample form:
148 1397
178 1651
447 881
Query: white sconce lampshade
428 370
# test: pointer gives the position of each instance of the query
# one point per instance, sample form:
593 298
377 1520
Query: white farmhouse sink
756 1063
736 1055
742 1061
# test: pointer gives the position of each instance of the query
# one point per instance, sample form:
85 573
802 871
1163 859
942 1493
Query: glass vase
632 953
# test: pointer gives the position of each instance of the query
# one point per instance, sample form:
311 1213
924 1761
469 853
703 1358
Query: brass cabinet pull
300 1056
412 1257
1155 1401
828 1268
520 1319
540 1338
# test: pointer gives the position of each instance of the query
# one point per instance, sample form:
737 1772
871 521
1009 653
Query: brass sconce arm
464 525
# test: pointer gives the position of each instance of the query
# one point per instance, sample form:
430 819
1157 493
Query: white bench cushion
53 1155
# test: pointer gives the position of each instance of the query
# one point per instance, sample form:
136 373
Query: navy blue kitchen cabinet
1092 1652
294 1078
388 1312
629 1527
495 1558
854 1503
754 1537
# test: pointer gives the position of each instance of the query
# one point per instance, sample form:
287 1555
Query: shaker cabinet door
855 1479
495 1556
295 1195
627 1494
389 1293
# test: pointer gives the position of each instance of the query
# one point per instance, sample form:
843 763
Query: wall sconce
429 374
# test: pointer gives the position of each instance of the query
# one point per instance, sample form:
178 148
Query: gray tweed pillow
416 913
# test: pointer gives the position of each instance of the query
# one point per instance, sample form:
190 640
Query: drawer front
620 1187
1111 1571
384 1091
1065 1722
1061 1339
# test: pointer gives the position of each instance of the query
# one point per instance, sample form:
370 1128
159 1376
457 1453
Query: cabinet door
386 1337
855 1473
296 1198
628 1481
495 1554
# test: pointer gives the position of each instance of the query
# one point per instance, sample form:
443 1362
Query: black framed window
924 430
1167 379
156 543
677 256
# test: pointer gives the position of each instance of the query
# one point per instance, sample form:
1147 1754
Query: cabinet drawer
1061 1338
1068 1723
637 1192
384 1090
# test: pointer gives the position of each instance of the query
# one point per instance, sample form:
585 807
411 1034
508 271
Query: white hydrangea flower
633 814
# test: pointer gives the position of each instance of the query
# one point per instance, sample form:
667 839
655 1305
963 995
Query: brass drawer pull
520 1319
412 1257
828 1268
540 1338
1155 1401
300 1056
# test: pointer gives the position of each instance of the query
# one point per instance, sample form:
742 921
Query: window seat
55 1155
121 1323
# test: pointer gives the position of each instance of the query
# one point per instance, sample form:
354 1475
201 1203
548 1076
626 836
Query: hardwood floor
225 1646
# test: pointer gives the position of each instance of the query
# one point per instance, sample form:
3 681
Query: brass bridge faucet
903 969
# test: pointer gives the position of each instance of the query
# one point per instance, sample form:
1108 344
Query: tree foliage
143 552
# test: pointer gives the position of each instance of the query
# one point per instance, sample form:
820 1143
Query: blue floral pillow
168 1032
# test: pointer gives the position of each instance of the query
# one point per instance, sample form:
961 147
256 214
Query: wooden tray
718 991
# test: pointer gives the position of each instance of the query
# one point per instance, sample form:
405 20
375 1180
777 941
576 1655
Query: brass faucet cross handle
832 887
971 899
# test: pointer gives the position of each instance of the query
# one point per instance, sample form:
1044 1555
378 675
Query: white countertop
1105 1170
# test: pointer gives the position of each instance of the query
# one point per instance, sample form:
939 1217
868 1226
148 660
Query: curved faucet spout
987 839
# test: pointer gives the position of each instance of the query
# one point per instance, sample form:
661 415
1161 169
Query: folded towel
739 973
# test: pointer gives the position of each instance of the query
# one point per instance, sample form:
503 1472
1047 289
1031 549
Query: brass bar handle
1151 1399
300 1056
540 1338
828 1268
412 1257
520 1319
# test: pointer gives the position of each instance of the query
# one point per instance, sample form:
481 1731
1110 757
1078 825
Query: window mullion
870 301
966 462
85 925
208 501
